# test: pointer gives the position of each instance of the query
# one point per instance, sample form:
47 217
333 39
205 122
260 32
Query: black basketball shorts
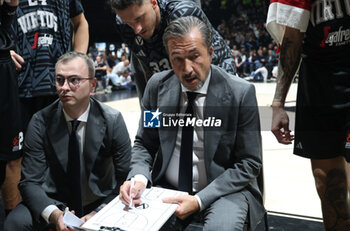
322 124
11 135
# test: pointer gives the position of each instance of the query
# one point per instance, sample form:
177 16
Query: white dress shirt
199 173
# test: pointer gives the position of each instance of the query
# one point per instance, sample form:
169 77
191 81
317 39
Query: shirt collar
203 90
82 118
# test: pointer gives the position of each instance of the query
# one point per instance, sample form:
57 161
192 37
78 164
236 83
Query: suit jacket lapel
58 135
94 134
168 98
217 103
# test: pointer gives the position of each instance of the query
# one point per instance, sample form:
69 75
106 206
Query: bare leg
9 190
332 184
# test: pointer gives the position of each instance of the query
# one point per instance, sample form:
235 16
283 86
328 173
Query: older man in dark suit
218 160
76 152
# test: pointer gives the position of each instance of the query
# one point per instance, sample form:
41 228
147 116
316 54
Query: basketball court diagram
150 215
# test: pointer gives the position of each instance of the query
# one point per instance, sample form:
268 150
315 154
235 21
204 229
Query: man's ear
210 51
154 3
93 82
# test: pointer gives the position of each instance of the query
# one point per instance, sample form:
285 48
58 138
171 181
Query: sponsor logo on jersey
139 40
141 53
45 40
299 146
347 143
17 142
37 19
337 38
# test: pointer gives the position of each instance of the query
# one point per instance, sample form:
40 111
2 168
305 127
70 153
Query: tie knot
191 96
75 124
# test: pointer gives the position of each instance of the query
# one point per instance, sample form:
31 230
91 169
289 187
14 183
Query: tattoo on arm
289 60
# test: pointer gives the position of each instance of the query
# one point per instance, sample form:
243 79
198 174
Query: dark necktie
186 151
74 171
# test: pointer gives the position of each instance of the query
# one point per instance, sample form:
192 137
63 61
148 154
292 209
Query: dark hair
74 54
123 4
183 26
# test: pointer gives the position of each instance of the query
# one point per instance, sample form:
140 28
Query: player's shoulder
179 8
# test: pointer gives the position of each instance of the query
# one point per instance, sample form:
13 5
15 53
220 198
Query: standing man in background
141 24
318 31
11 135
43 34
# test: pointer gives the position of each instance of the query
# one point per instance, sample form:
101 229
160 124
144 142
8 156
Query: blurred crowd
113 71
255 53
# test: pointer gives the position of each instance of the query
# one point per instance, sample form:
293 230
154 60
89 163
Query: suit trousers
20 219
225 214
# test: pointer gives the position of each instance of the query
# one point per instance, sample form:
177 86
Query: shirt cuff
142 178
199 202
47 212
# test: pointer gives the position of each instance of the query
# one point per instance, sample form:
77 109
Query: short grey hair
74 54
123 4
183 26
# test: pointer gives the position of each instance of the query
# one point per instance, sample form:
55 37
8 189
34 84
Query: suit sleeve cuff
199 202
142 178
47 212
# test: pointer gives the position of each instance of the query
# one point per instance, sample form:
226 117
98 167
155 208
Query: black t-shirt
44 34
327 39
151 53
7 16
100 73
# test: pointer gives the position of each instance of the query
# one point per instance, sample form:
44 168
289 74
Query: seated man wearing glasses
76 152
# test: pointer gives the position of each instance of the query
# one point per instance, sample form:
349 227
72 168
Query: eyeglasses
73 81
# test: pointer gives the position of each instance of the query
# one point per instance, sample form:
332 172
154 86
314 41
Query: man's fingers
136 192
279 135
283 134
171 200
124 192
138 189
18 66
181 217
285 137
17 59
136 202
288 135
61 226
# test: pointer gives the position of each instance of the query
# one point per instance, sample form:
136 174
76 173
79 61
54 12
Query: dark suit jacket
232 152
44 166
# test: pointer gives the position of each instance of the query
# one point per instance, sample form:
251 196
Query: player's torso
43 34
328 33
